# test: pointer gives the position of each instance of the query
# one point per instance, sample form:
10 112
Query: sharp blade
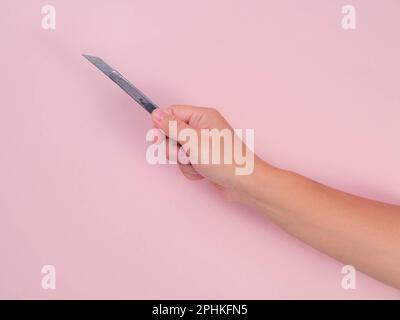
124 84
100 64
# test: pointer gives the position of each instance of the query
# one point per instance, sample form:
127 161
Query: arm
357 231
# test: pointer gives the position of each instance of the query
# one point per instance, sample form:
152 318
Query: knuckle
215 111
173 106
211 110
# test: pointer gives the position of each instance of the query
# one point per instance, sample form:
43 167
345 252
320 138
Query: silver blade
124 84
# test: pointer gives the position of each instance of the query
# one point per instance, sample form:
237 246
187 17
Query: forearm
354 230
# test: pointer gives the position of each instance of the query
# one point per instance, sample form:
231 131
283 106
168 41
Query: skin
354 230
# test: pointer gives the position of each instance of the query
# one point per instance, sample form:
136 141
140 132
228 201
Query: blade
124 84
100 64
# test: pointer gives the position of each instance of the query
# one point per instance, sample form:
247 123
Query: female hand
224 175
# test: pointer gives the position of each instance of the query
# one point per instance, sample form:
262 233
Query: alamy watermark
49 278
204 146
349 280
49 17
349 20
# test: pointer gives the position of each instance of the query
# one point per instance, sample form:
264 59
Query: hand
223 175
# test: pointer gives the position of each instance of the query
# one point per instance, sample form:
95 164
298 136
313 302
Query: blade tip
89 57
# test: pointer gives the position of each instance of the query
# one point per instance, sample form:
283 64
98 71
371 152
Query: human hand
189 118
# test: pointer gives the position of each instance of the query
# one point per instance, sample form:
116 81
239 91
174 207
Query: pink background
76 191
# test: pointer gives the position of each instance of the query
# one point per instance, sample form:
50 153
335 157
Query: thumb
170 124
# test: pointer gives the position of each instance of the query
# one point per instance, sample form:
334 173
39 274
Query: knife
124 84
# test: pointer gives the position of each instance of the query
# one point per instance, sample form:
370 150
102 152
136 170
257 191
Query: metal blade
100 64
124 84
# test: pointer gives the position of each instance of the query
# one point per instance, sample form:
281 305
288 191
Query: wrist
260 183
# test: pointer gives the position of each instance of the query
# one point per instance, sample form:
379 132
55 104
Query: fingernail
159 115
